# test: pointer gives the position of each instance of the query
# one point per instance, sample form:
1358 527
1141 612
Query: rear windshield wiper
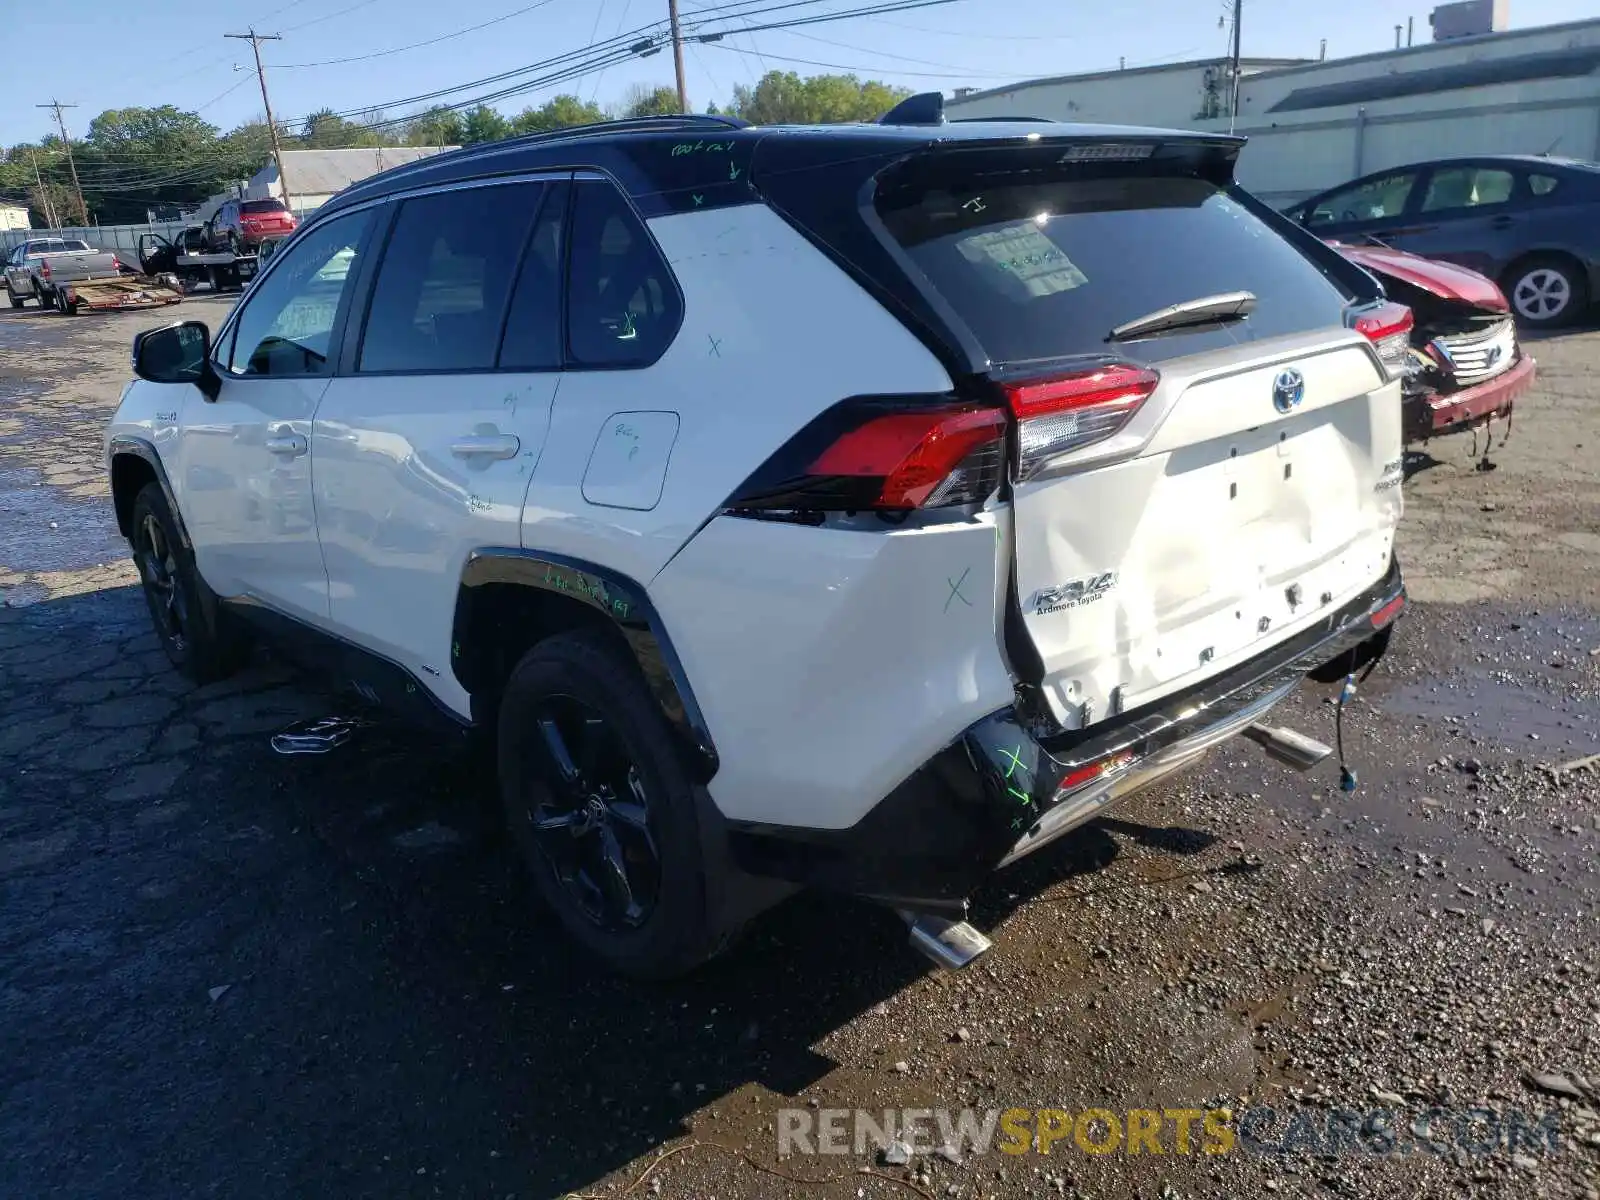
1207 310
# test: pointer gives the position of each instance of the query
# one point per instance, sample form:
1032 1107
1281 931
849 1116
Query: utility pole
255 39
57 106
1233 104
677 55
44 194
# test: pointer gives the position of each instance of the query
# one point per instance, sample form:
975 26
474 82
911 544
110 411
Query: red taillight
914 453
1388 328
870 454
1059 415
44 269
116 263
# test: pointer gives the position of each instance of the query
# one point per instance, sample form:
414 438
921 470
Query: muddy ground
227 973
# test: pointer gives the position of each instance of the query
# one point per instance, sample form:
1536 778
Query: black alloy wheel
589 815
157 561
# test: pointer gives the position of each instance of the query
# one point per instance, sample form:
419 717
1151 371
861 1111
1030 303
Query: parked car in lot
39 269
859 507
240 225
1531 224
1467 366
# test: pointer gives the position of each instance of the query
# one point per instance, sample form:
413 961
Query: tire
198 639
609 771
16 300
1547 292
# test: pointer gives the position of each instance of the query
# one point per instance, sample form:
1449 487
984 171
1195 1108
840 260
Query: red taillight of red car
1388 328
1060 414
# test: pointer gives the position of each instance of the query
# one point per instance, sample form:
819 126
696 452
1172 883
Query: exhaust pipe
949 945
1292 749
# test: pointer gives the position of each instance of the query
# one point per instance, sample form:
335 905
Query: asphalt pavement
226 972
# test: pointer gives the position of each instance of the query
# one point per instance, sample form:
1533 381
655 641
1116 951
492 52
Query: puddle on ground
1535 685
1485 706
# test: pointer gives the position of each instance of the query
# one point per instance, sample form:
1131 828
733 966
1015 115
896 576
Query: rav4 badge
1075 593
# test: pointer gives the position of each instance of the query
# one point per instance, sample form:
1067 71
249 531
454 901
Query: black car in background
1532 224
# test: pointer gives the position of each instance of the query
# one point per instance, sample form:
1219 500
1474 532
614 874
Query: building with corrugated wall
1312 125
316 176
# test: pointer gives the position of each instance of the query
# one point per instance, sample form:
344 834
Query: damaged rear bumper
1436 413
1001 791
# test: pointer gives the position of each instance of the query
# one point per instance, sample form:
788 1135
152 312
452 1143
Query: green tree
483 124
643 101
560 113
326 130
439 126
165 133
784 98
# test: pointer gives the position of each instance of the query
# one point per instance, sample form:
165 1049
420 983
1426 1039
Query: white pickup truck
36 270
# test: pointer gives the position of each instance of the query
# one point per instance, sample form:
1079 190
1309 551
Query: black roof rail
925 108
660 124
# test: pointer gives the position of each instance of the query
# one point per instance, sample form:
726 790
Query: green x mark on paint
698 199
1016 760
1022 796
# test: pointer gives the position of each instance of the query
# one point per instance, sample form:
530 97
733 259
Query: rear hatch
265 217
1184 497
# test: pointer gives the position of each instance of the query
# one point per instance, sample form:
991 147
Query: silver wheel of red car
1545 292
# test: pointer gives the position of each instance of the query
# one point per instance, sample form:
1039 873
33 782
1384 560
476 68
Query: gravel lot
229 973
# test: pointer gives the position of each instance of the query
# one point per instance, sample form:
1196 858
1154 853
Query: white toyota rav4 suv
858 507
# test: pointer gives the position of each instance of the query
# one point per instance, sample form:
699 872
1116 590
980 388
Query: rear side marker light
1060 415
1388 328
1388 612
1073 780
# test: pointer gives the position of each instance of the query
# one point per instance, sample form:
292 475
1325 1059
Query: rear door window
622 302
1452 189
440 300
533 325
1041 268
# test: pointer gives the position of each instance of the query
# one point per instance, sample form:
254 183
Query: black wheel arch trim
143 448
624 602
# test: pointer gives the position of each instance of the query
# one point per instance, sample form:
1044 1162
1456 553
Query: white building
1316 124
14 216
316 176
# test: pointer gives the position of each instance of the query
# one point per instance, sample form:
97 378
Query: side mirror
178 353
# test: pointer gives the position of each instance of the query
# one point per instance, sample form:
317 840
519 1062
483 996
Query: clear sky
110 54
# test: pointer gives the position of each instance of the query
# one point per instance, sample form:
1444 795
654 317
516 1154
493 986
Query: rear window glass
1043 268
262 206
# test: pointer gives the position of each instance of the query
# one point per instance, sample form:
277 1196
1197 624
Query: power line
855 70
811 37
433 41
329 16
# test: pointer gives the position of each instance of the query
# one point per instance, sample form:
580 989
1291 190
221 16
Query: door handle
490 446
291 444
